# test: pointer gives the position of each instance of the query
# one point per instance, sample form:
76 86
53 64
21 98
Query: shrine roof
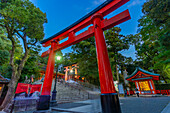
144 71
142 78
78 21
70 64
4 80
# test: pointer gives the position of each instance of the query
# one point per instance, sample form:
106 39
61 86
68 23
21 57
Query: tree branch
2 25
12 52
33 43
19 34
24 59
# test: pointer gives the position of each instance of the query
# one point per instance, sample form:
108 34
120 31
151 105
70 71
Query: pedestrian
137 92
125 92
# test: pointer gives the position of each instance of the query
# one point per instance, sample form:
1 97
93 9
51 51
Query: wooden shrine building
144 80
3 88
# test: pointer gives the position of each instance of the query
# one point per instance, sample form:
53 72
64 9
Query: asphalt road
128 105
144 104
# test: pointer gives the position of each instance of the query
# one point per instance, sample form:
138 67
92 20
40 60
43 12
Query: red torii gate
109 97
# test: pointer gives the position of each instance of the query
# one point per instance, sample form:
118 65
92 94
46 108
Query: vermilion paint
46 90
105 72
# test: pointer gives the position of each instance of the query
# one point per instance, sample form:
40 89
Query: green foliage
152 42
5 48
32 67
22 23
4 51
6 70
117 42
162 86
22 15
85 55
66 59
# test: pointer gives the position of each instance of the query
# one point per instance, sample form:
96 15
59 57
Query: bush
162 86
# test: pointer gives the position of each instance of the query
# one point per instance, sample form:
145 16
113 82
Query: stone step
71 92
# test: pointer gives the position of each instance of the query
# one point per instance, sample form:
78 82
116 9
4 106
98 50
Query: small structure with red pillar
69 73
59 75
144 80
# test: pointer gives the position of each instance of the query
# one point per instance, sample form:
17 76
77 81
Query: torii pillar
109 97
44 101
76 69
66 73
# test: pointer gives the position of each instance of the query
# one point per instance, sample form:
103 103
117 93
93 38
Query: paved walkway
128 105
144 104
80 106
166 109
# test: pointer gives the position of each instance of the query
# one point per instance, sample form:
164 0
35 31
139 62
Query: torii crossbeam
109 97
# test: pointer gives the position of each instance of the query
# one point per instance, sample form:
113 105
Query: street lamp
54 92
58 57
71 71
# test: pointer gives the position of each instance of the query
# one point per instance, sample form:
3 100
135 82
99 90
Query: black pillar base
53 103
44 102
54 94
110 103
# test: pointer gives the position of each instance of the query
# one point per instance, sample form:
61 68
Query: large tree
23 23
152 42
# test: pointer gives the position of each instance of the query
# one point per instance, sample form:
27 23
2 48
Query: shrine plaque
144 86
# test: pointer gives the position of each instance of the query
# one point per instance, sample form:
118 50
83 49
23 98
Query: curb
64 110
150 96
166 109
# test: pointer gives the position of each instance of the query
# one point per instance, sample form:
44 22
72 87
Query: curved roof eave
149 73
136 70
142 78
144 71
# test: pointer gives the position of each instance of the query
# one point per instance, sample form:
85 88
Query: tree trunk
117 73
16 73
11 91
124 84
164 79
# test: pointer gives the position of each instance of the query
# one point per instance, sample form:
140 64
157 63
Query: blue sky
62 13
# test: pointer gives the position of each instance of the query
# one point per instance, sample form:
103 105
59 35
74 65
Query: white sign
121 90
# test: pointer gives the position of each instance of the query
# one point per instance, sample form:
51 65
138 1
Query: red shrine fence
28 88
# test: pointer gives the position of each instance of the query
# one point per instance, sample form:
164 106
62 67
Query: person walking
137 92
125 93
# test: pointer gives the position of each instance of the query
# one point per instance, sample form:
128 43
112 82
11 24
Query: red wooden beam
84 23
106 24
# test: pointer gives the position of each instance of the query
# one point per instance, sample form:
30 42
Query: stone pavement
128 105
87 106
166 109
144 104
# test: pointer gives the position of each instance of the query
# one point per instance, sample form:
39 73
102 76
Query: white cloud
97 2
135 2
